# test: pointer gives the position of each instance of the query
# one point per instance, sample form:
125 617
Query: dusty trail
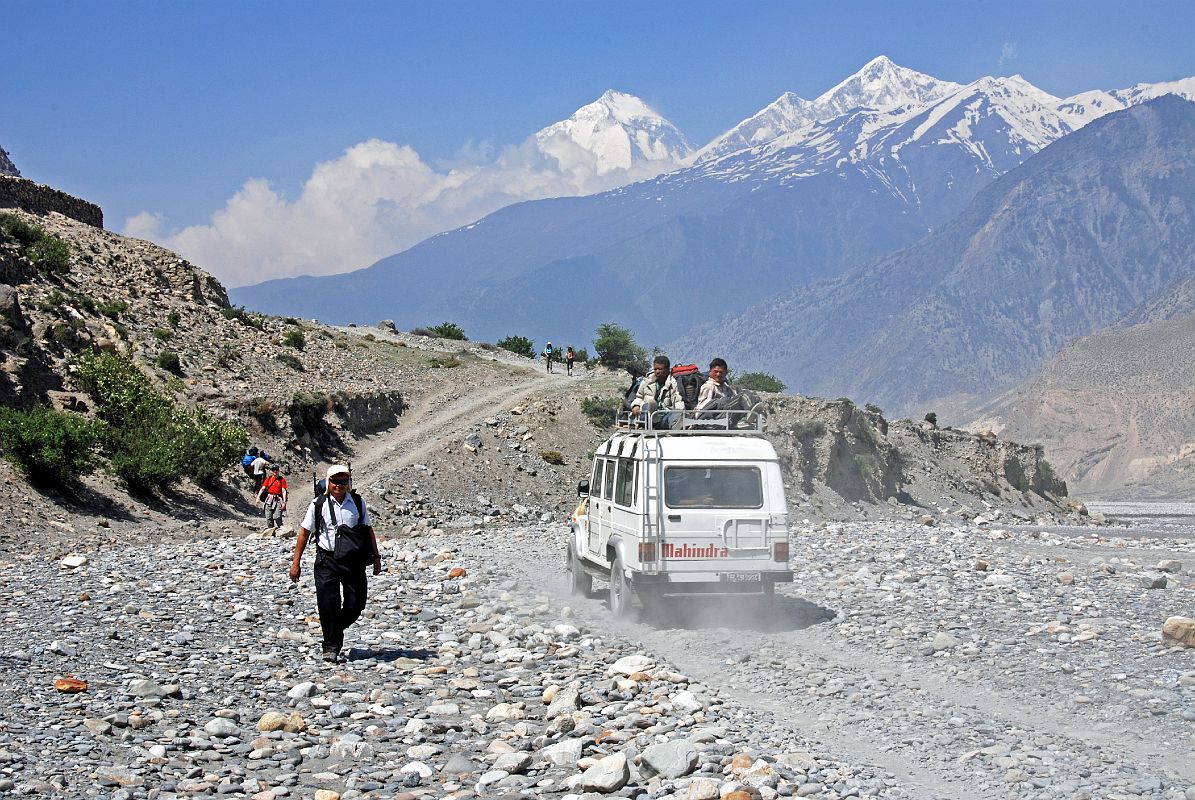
919 720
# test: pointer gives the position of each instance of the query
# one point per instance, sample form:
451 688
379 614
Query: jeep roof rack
689 423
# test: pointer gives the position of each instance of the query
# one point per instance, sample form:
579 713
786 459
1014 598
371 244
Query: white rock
629 665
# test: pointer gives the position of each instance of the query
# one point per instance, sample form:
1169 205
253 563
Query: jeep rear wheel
620 589
580 582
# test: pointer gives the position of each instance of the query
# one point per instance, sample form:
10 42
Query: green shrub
294 338
168 360
874 409
601 411
552 457
759 382
932 419
581 355
151 441
519 345
449 330
866 464
18 230
54 300
616 349
163 334
50 254
444 363
290 360
50 447
173 318
226 357
239 314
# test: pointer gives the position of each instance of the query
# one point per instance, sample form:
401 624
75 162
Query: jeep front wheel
580 582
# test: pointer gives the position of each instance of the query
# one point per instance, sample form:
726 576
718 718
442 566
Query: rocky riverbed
904 661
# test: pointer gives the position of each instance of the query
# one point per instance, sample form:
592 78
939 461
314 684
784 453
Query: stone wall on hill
17 192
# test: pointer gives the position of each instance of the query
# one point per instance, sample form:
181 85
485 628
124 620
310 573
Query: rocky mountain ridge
1081 235
6 165
802 191
468 421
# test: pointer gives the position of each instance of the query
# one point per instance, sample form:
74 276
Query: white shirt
346 514
259 465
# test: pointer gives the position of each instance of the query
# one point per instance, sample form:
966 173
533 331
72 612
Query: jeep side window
626 482
608 484
595 486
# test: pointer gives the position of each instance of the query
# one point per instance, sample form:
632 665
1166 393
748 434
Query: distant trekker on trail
258 468
659 391
548 353
345 545
273 496
570 355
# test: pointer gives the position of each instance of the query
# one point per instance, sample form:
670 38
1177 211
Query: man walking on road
273 496
345 545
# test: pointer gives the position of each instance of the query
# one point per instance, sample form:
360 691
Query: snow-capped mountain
618 131
1086 106
880 85
802 191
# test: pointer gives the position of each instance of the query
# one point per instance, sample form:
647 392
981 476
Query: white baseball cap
338 469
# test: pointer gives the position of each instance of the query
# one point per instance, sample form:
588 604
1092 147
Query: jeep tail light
647 551
780 551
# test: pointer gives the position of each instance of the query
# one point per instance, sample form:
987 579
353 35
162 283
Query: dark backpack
352 546
689 379
247 463
629 397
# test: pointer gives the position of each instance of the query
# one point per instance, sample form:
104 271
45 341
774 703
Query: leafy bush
932 418
241 315
601 411
552 457
291 361
50 447
163 334
294 338
616 349
873 408
581 355
866 464
444 363
50 254
173 318
519 345
168 360
226 357
449 330
54 300
759 382
18 230
151 441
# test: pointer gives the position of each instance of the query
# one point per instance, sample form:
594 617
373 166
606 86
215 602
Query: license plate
741 577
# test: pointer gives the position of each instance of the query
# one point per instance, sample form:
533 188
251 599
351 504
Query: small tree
50 447
932 418
168 360
449 330
759 382
616 349
519 345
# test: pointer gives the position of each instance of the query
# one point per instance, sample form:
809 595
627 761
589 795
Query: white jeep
698 508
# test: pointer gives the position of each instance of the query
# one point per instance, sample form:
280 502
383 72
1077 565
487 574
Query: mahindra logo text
647 551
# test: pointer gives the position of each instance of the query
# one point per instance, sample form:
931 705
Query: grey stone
673 759
606 775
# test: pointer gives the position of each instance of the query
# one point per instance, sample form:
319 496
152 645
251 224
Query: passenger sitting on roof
659 391
716 393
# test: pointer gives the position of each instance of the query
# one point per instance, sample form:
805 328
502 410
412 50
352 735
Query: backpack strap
360 506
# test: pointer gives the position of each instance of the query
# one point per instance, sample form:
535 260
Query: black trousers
340 595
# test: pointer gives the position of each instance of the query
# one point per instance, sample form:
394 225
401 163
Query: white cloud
376 199
143 226
1008 52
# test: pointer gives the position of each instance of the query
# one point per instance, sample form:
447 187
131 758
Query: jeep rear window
713 487
608 486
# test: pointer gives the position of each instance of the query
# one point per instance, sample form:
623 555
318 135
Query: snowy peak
787 114
882 85
1082 108
618 131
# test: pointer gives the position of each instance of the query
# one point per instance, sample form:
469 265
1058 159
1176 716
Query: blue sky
171 107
